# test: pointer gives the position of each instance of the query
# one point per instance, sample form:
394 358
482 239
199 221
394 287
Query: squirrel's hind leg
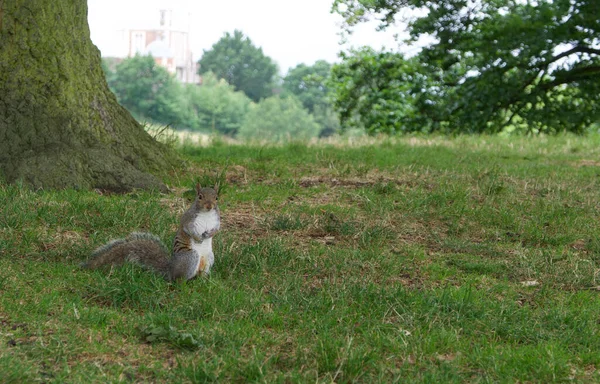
184 265
206 263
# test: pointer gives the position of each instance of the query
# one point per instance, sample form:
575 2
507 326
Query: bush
278 119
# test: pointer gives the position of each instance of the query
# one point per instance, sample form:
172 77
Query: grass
471 259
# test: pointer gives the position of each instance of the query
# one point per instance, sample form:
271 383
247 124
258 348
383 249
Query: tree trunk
60 125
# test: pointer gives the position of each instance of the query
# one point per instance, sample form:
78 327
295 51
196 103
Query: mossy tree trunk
60 125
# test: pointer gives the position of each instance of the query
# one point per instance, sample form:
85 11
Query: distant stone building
168 44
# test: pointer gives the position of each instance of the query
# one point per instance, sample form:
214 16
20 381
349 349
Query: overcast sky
289 31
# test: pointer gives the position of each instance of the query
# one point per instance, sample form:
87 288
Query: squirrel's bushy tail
144 249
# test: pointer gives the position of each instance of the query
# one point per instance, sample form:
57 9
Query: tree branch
518 94
575 49
590 50
573 75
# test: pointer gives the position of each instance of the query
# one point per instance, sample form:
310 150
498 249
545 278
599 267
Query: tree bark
60 125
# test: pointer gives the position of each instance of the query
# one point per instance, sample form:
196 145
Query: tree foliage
243 65
147 90
495 63
215 106
309 83
373 90
278 119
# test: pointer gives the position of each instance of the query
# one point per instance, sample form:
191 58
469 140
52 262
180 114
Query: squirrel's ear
217 187
198 188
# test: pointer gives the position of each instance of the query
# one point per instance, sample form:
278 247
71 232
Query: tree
278 119
235 59
372 90
215 106
60 126
148 90
496 63
309 83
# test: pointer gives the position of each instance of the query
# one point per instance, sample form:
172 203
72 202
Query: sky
289 31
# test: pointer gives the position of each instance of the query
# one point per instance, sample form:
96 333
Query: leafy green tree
243 65
60 126
327 119
148 90
309 84
496 63
371 90
278 119
215 106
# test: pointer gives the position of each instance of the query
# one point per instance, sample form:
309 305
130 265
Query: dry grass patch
587 163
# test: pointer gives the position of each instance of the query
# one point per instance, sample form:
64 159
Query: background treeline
490 66
241 94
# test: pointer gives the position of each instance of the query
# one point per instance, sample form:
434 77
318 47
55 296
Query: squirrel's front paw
207 234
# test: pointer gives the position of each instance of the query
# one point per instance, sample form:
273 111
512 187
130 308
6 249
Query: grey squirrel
192 248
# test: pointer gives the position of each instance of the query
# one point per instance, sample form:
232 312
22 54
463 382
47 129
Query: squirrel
192 248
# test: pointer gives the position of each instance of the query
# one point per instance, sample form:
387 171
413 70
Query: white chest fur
206 221
206 255
204 248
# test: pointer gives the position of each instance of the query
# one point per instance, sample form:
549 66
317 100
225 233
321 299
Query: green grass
471 259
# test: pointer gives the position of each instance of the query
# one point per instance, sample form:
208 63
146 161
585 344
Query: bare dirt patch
371 179
243 217
587 163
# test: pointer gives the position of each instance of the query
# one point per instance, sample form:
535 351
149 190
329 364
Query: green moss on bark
60 126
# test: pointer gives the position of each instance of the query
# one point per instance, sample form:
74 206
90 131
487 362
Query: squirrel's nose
208 206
